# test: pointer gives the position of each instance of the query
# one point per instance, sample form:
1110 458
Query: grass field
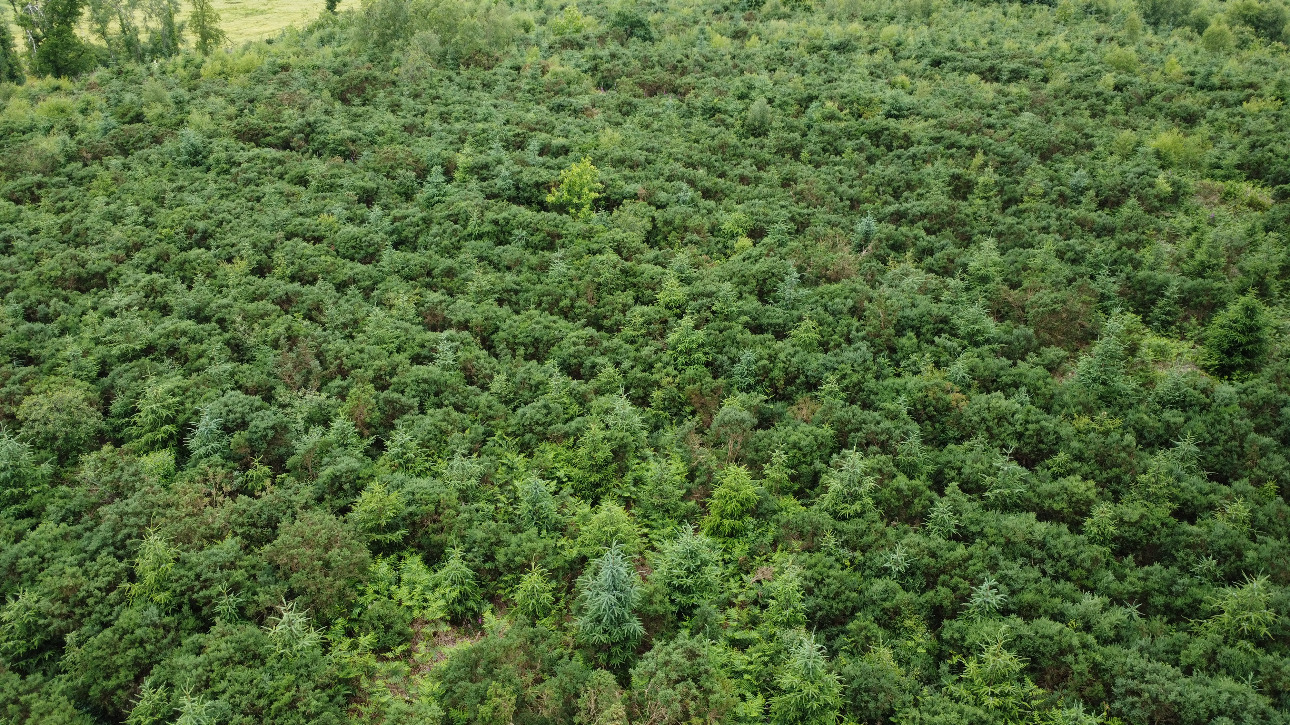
245 20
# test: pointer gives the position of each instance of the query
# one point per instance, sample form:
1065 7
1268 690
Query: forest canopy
650 361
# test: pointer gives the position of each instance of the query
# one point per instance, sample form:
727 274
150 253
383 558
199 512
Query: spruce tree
455 585
21 479
534 597
1102 372
208 440
731 504
865 231
809 693
607 597
1237 339
689 570
538 509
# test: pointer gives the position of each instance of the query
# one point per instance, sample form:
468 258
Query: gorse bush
506 361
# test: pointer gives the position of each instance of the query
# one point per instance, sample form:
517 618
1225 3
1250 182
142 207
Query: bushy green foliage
682 681
61 421
914 362
50 27
442 32
579 185
10 65
601 702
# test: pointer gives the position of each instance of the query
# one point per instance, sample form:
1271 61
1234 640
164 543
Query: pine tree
608 594
153 426
687 346
611 524
848 487
942 523
207 439
455 585
995 681
21 479
377 513
809 693
1237 339
579 187
152 569
731 504
537 509
986 599
759 118
866 230
689 569
534 596
743 376
786 605
1102 371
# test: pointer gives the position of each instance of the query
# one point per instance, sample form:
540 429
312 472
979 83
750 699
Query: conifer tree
20 478
689 570
809 693
537 506
1102 371
731 503
378 512
866 229
578 188
1237 339
534 596
455 585
207 440
608 595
